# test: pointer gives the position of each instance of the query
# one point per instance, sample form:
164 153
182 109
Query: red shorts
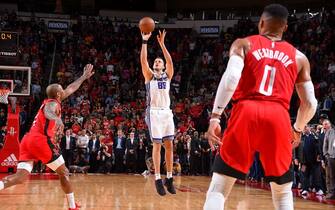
261 126
38 147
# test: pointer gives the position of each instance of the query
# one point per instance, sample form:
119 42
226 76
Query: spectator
329 153
256 171
93 149
182 151
205 155
131 152
68 147
326 126
195 155
119 149
311 162
82 142
141 153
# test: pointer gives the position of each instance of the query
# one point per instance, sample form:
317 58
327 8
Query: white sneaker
320 192
304 192
146 173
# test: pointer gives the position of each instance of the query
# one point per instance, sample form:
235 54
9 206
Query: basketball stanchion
9 154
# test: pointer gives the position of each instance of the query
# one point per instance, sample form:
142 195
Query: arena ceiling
212 4
169 6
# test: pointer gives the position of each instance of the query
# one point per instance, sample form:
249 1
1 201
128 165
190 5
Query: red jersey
41 124
269 72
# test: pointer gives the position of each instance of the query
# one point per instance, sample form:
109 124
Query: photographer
205 155
182 151
141 152
104 159
195 155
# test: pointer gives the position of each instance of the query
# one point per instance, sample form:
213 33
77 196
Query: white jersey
158 90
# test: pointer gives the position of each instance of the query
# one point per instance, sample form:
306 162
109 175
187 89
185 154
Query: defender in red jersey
260 77
38 143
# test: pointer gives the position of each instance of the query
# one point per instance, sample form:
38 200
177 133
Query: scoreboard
9 44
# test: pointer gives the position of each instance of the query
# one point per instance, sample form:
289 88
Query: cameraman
195 155
104 159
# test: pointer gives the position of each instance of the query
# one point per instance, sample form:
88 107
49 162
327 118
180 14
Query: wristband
215 120
144 41
295 130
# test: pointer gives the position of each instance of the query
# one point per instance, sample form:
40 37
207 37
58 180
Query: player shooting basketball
159 117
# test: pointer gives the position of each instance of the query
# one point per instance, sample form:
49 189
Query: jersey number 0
267 70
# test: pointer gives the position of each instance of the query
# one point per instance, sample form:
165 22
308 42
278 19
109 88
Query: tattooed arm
88 72
52 112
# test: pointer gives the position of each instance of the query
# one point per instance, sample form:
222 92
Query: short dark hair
276 11
159 57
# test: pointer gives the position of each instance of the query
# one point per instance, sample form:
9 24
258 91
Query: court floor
133 192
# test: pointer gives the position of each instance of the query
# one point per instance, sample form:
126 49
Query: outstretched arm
52 112
227 87
169 64
147 72
73 87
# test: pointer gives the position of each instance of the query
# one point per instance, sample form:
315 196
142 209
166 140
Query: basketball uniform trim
283 179
221 167
54 154
46 127
170 137
54 151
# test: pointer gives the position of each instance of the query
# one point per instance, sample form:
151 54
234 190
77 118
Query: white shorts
160 124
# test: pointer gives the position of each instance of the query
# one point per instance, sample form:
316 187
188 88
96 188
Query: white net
4 96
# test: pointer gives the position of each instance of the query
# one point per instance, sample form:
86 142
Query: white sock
157 176
2 186
169 175
214 201
282 196
219 190
70 200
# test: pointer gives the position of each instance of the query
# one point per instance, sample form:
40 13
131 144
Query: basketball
146 24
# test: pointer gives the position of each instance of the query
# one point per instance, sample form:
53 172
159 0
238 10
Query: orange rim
4 92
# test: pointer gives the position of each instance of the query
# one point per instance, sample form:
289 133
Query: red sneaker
77 207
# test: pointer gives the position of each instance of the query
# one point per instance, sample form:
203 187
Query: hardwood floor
133 192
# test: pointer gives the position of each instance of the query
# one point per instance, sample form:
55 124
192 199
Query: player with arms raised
159 117
260 77
38 144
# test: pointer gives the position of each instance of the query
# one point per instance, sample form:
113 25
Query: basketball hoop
4 96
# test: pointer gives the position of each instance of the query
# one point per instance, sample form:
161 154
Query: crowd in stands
104 120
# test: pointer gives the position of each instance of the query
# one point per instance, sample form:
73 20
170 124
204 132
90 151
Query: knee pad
25 165
54 165
222 184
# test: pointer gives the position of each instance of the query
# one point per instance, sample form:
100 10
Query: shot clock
8 44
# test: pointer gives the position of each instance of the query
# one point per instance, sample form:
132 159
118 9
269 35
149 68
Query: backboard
17 79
